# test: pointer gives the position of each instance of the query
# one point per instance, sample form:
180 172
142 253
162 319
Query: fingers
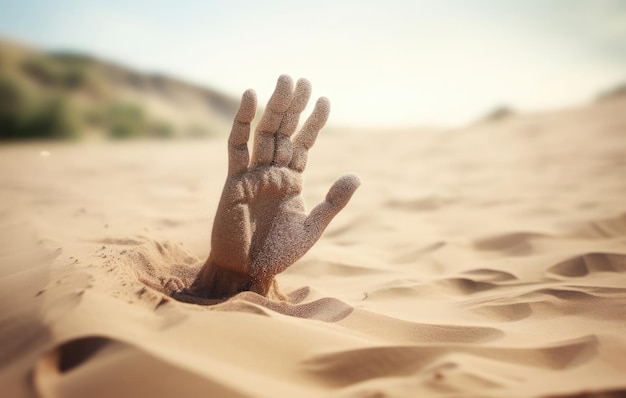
305 139
283 148
238 157
272 144
336 199
278 104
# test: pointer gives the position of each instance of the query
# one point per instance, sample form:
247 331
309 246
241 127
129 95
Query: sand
488 261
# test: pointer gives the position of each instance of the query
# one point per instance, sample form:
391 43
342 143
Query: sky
390 63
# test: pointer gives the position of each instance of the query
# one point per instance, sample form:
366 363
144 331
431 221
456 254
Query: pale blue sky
381 63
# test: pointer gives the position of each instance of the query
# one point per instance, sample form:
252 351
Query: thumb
337 198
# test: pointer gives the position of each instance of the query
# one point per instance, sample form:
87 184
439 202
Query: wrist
217 282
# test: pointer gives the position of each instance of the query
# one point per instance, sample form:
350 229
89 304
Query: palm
261 226
257 206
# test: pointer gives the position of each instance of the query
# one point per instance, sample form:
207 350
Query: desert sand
488 261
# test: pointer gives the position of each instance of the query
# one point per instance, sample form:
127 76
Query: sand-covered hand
261 226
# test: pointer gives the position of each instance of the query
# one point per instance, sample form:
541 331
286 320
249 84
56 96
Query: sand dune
485 262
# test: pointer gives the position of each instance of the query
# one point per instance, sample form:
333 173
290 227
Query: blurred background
95 69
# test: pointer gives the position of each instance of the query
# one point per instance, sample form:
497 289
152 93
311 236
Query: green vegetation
125 120
161 129
24 115
50 72
28 113
54 119
71 96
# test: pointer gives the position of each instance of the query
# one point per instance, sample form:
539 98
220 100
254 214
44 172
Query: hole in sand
168 270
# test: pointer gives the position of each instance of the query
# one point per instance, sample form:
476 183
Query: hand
261 226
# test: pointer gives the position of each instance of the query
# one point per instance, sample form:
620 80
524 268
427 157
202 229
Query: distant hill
613 93
66 95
